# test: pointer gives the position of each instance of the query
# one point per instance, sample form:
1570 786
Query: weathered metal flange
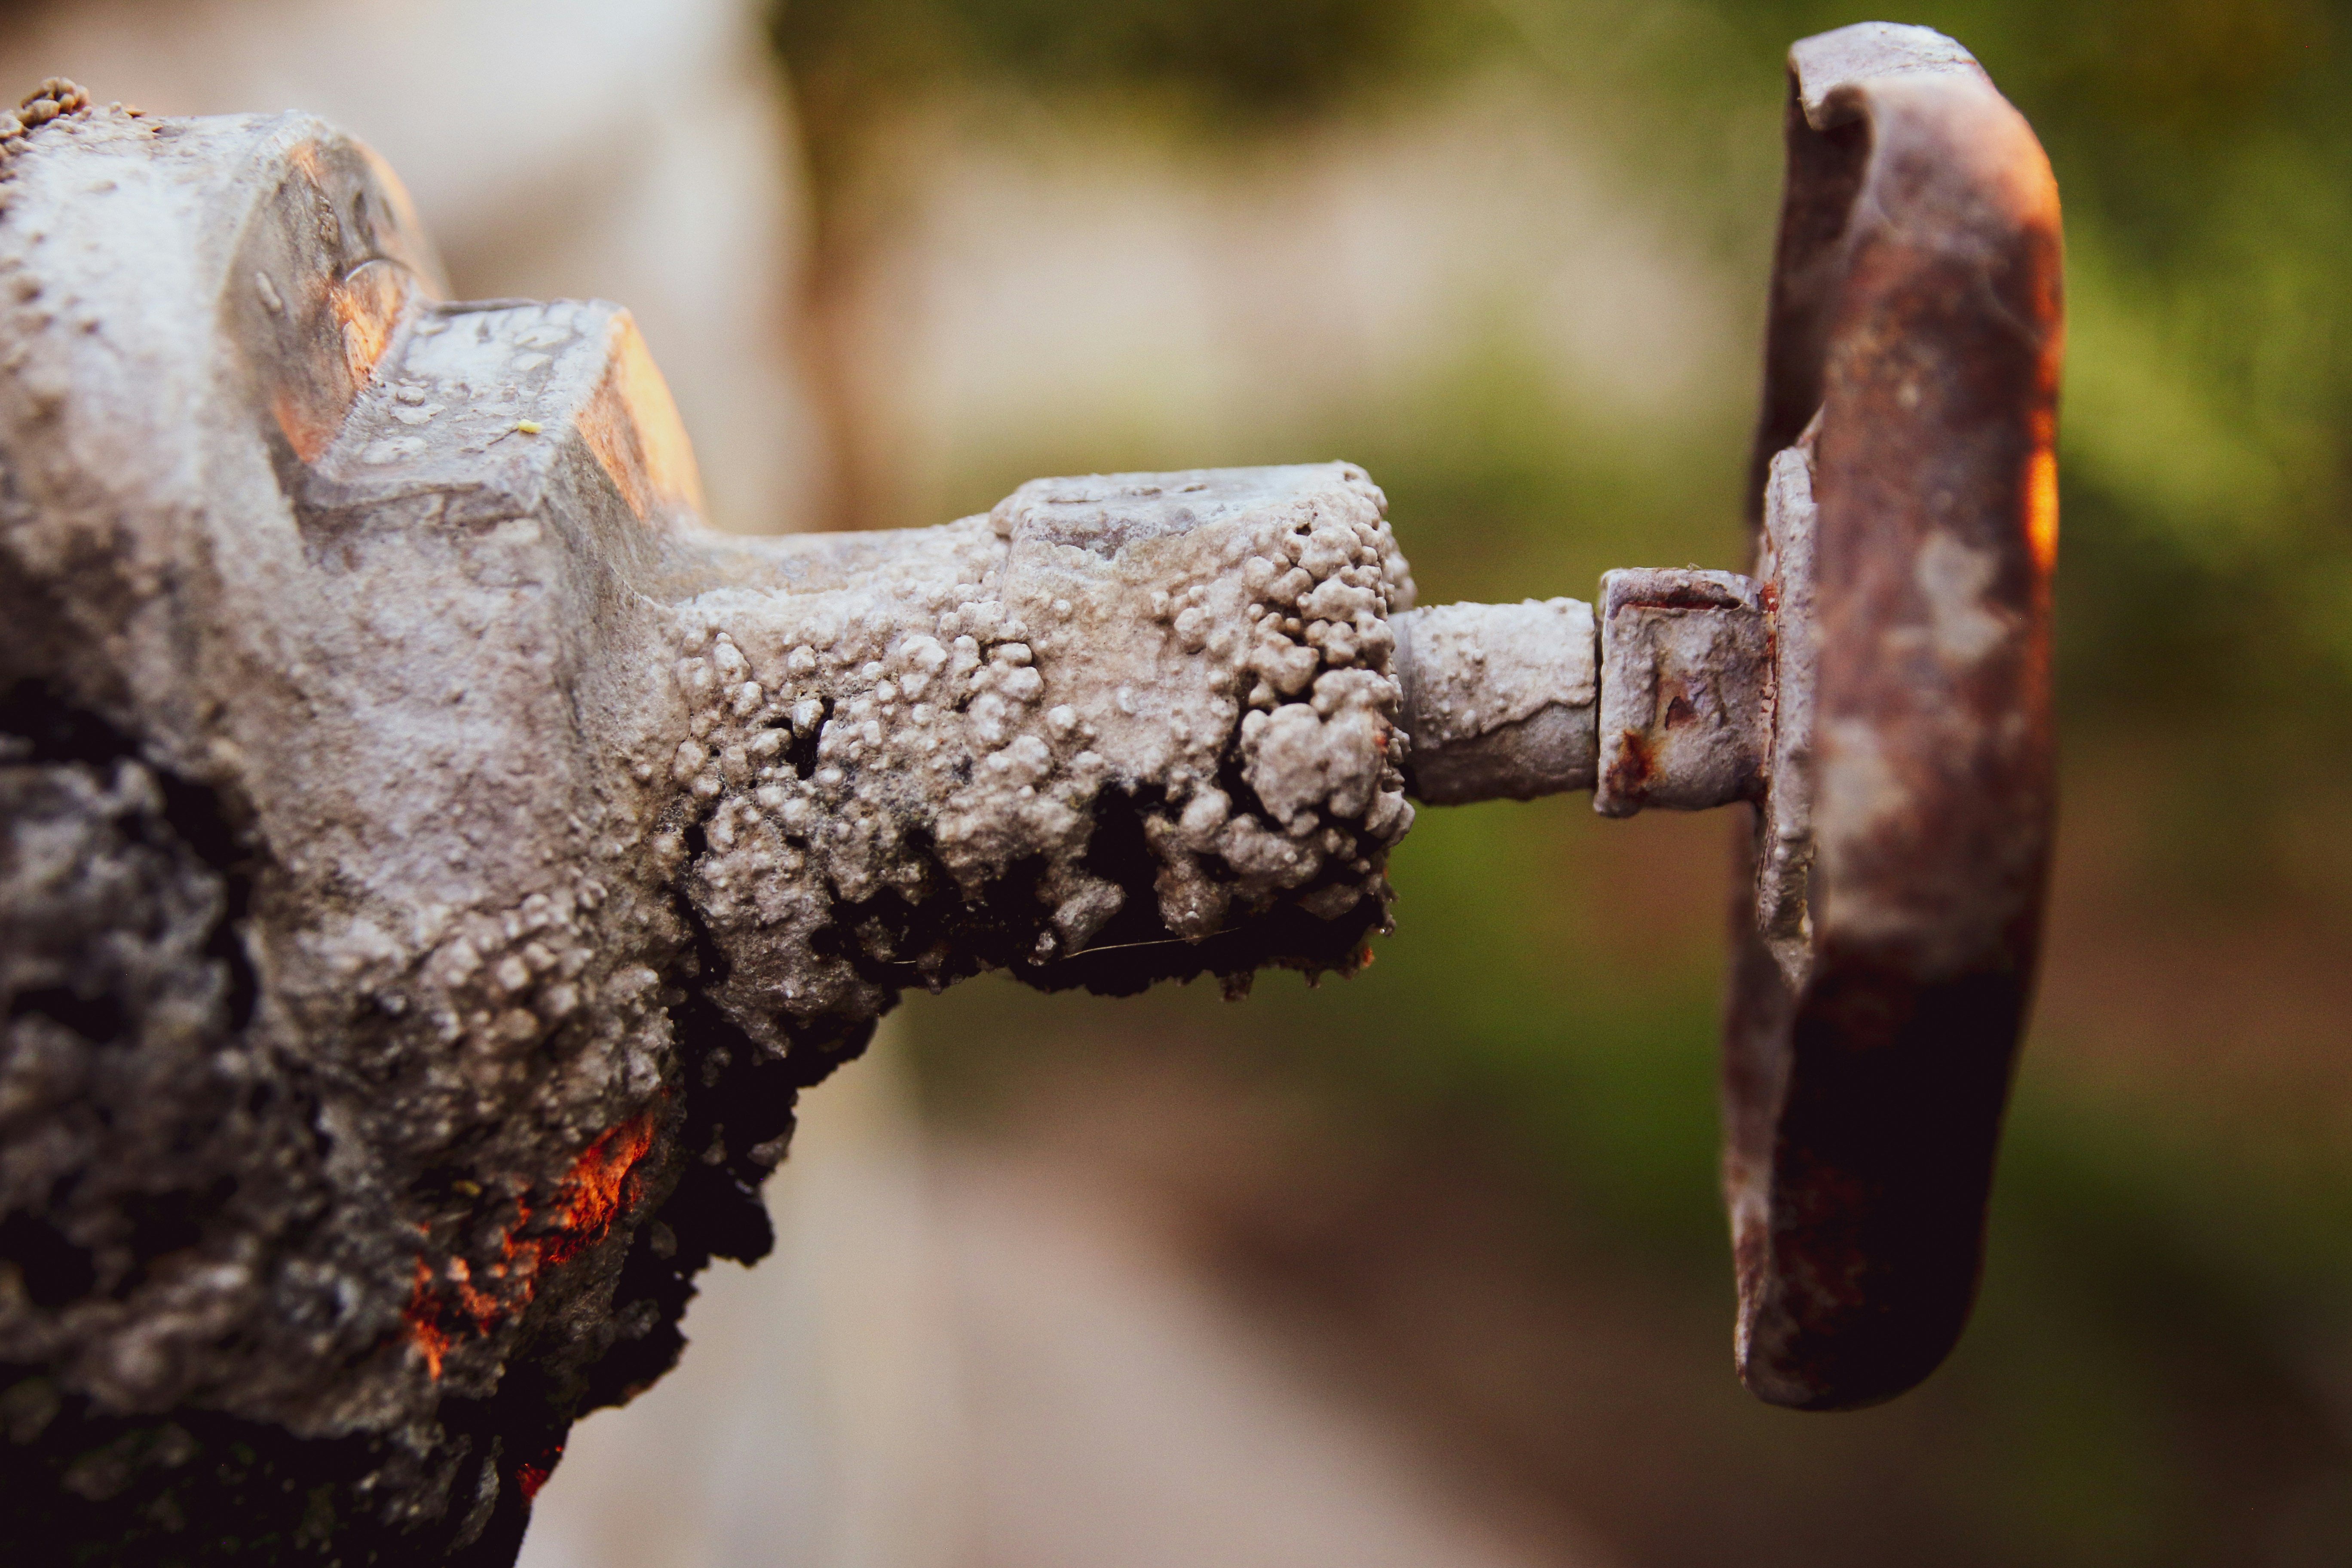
1916 315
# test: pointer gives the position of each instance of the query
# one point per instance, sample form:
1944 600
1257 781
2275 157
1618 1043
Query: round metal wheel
1906 491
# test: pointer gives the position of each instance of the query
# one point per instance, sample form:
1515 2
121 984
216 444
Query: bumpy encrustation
1122 729
431 863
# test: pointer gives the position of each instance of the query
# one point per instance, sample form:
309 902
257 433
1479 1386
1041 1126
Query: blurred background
1510 255
1429 1267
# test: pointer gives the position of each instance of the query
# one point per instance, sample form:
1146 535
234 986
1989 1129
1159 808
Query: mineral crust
431 862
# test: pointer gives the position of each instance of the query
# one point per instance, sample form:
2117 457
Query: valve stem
1662 700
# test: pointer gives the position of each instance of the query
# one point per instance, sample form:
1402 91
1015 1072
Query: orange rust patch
1633 765
632 427
446 1304
2042 509
365 305
532 1474
422 1314
362 310
307 436
599 1186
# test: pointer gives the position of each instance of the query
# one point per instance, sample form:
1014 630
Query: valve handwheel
1906 491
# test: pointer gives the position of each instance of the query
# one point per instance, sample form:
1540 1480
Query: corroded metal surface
1684 724
1500 701
1916 309
1784 826
431 862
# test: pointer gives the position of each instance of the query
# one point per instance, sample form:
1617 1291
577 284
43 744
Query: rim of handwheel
1884 949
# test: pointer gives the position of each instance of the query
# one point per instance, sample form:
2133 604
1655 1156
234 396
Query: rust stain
422 1314
446 1304
532 1474
599 1187
357 316
304 155
1632 769
307 436
632 427
2042 506
365 304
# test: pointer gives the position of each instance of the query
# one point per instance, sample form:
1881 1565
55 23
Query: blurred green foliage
2205 154
2149 1380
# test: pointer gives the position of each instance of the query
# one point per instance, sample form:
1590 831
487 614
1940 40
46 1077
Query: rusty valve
1878 691
432 861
